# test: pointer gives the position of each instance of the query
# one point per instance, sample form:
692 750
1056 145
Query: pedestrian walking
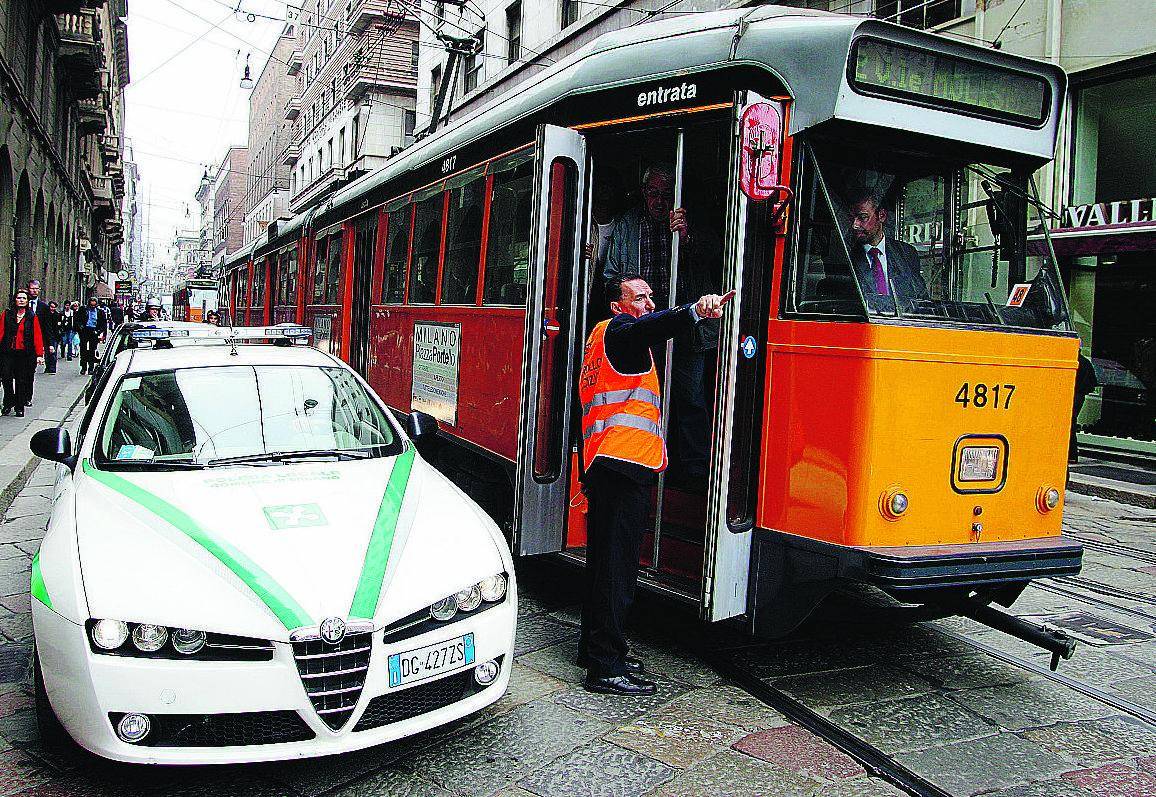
91 324
21 350
38 305
70 340
52 337
623 451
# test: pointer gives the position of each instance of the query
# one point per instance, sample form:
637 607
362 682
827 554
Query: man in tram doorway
885 266
623 451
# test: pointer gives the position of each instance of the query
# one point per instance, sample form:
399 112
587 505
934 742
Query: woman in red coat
21 350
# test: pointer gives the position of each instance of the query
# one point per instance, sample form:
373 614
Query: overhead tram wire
213 26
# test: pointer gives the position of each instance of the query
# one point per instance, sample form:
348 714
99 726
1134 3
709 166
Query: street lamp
246 81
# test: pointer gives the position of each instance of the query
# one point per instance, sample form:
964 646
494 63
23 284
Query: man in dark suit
886 267
38 305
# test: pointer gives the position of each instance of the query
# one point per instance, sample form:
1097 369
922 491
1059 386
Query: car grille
422 699
223 730
333 675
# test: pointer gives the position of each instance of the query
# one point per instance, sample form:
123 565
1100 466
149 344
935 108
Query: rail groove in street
1084 688
875 761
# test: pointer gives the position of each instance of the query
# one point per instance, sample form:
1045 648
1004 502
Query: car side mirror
421 426
53 444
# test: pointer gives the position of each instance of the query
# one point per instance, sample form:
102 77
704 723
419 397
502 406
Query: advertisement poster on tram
436 360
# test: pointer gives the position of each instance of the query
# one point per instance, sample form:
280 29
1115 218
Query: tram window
463 242
291 278
396 255
508 245
427 234
926 240
320 266
333 276
258 298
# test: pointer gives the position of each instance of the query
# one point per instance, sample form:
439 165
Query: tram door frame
553 316
727 545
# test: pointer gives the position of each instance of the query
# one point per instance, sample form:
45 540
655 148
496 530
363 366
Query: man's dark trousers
88 341
616 519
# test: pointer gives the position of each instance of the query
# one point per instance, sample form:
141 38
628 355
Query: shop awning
1098 240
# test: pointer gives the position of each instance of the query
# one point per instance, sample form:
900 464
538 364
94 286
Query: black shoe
633 666
627 685
7 411
19 412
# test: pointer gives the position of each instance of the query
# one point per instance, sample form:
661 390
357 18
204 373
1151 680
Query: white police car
248 560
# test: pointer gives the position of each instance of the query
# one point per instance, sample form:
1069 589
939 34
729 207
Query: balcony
110 148
293 108
93 117
66 6
296 61
103 206
80 52
368 12
291 154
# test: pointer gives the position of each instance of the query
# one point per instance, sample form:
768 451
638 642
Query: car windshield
923 240
197 417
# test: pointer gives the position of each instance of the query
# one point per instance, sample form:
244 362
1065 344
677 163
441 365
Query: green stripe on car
381 541
272 594
39 591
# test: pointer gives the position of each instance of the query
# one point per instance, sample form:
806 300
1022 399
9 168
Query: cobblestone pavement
967 721
974 724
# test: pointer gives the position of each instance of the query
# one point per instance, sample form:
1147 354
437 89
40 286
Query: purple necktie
877 269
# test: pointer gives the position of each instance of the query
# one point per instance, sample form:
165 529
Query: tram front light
1047 499
893 503
978 463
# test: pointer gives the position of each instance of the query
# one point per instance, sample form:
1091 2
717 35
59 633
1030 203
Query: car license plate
423 663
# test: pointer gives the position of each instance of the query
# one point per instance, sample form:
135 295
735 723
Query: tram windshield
897 236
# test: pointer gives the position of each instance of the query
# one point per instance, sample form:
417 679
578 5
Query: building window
569 12
472 65
410 126
414 52
354 143
435 80
514 32
341 138
918 13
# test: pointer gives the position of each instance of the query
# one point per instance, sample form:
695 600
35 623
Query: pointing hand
711 305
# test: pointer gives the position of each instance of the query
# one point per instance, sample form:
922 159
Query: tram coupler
1059 644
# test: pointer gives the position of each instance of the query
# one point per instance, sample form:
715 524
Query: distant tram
906 431
193 299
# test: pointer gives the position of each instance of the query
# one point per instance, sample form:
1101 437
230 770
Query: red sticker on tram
759 162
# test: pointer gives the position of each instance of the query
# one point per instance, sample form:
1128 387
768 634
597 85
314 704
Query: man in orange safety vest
622 452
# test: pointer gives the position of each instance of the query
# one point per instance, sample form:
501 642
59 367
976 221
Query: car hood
262 551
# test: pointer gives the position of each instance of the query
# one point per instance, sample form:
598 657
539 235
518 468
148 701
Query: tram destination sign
945 81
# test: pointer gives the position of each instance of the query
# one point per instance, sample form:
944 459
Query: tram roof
806 50
238 257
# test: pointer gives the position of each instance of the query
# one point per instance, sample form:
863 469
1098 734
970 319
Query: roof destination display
936 79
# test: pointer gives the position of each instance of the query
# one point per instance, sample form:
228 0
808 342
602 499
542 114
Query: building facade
358 60
133 249
189 256
64 66
204 197
229 205
270 133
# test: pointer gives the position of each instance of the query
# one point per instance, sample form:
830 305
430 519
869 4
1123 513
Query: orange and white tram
822 431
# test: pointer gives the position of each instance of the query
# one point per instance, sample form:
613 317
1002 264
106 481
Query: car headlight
445 609
469 599
148 640
493 588
187 641
487 592
109 634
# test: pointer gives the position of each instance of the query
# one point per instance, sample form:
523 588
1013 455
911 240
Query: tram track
876 762
1084 688
1115 548
1062 591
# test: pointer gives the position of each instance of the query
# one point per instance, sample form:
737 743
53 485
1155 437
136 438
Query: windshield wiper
153 464
287 456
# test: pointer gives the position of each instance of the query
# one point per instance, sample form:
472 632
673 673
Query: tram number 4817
981 395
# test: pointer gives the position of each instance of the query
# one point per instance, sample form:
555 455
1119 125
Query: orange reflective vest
621 413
